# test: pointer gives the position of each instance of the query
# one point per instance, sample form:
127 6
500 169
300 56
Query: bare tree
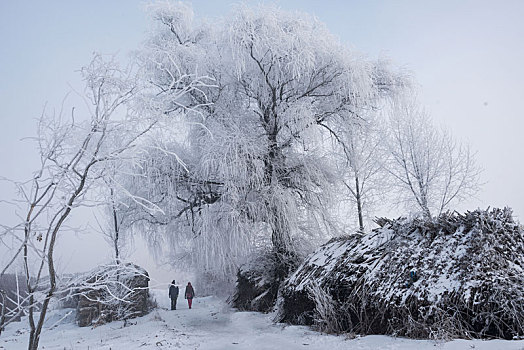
362 164
431 170
68 170
116 235
112 224
74 155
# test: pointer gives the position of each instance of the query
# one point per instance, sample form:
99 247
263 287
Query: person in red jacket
190 294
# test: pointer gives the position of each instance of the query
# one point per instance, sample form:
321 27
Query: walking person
190 294
173 294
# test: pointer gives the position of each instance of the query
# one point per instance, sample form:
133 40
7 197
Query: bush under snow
258 281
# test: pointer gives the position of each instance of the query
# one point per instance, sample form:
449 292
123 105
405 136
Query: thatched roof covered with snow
456 276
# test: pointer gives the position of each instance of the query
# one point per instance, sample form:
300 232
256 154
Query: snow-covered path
211 324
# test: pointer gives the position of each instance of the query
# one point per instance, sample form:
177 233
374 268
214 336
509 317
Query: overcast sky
467 57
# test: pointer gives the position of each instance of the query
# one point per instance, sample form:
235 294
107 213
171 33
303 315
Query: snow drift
454 276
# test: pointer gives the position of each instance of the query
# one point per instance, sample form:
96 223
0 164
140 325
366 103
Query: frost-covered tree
75 152
430 169
363 165
254 168
113 221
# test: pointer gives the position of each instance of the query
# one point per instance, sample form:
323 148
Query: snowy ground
211 324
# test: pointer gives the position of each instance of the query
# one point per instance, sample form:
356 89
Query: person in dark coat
173 294
190 294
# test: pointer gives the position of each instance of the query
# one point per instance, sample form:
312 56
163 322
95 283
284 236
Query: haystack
110 293
455 276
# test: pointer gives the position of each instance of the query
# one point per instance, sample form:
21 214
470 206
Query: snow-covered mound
456 276
107 293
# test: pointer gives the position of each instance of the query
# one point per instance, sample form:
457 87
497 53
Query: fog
467 57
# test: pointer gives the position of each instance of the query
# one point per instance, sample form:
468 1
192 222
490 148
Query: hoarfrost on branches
254 168
430 169
76 153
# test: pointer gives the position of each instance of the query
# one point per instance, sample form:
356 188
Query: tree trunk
2 311
359 205
115 226
424 204
280 238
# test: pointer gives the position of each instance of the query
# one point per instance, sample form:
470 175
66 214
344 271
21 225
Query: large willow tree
251 166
